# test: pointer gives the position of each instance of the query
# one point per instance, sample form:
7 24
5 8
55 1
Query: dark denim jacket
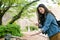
50 25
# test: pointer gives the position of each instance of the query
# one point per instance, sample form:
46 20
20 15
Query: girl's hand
37 24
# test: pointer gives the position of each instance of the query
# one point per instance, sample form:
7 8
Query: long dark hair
42 17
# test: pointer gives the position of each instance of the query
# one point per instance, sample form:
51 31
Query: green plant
12 29
32 28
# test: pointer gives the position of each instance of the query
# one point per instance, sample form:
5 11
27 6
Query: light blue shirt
50 25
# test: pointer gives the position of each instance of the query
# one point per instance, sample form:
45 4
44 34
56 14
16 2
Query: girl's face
41 10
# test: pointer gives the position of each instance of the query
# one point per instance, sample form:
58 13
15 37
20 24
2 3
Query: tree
19 14
5 5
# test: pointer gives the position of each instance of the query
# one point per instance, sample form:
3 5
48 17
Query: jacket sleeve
47 22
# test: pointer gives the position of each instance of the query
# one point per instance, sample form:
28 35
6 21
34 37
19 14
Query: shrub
12 29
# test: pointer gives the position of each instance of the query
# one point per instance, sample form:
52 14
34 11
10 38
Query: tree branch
19 14
0 3
6 9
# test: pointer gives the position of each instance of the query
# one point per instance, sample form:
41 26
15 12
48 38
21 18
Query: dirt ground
35 37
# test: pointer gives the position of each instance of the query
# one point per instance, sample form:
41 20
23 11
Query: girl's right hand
37 24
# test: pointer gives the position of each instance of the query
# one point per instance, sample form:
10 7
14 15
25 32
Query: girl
48 22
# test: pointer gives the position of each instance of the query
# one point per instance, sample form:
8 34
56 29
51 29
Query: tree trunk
1 15
0 20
